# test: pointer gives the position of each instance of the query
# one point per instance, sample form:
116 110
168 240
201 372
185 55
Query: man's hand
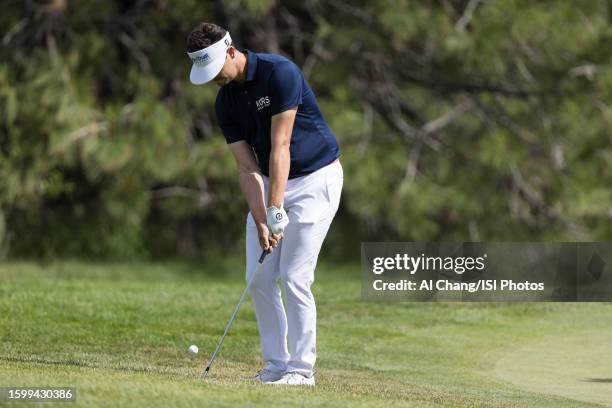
277 219
267 241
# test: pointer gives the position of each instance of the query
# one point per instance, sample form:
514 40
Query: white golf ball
193 349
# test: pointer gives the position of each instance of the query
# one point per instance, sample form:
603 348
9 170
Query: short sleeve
229 126
285 87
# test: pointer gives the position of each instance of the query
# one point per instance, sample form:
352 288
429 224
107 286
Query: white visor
208 62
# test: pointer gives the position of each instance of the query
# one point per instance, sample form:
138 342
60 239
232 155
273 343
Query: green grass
119 333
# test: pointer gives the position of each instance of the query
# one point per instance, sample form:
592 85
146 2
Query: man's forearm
251 184
279 172
280 158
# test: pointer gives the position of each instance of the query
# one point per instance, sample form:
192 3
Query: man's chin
222 83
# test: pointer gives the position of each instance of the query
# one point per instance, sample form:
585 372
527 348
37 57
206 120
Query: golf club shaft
229 324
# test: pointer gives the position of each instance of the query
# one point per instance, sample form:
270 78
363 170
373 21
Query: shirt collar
251 65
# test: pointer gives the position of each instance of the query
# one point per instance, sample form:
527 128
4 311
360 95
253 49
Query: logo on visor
201 59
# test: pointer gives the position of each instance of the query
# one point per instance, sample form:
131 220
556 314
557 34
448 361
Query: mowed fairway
119 334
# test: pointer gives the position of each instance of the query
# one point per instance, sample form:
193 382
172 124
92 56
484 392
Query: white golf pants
288 334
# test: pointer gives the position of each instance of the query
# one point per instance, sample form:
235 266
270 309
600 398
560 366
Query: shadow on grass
215 268
207 269
83 364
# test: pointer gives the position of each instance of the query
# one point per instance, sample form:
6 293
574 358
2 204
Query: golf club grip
263 256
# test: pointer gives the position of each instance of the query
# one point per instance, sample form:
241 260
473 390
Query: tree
458 120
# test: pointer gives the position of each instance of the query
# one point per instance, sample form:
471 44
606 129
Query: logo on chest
262 103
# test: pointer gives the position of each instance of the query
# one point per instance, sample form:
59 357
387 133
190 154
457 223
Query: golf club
229 324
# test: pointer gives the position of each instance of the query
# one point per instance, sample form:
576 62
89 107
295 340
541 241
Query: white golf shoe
295 379
267 376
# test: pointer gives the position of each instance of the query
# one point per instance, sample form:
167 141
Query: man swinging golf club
290 175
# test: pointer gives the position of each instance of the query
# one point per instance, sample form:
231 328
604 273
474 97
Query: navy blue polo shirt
274 84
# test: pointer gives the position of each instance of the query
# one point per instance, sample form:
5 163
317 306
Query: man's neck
243 63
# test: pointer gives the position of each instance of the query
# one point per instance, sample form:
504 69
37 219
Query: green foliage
455 123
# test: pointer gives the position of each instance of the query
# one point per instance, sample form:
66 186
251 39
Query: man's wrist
275 204
260 215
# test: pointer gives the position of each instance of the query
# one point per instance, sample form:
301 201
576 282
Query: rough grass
119 333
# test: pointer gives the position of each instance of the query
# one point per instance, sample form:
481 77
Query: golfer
290 175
